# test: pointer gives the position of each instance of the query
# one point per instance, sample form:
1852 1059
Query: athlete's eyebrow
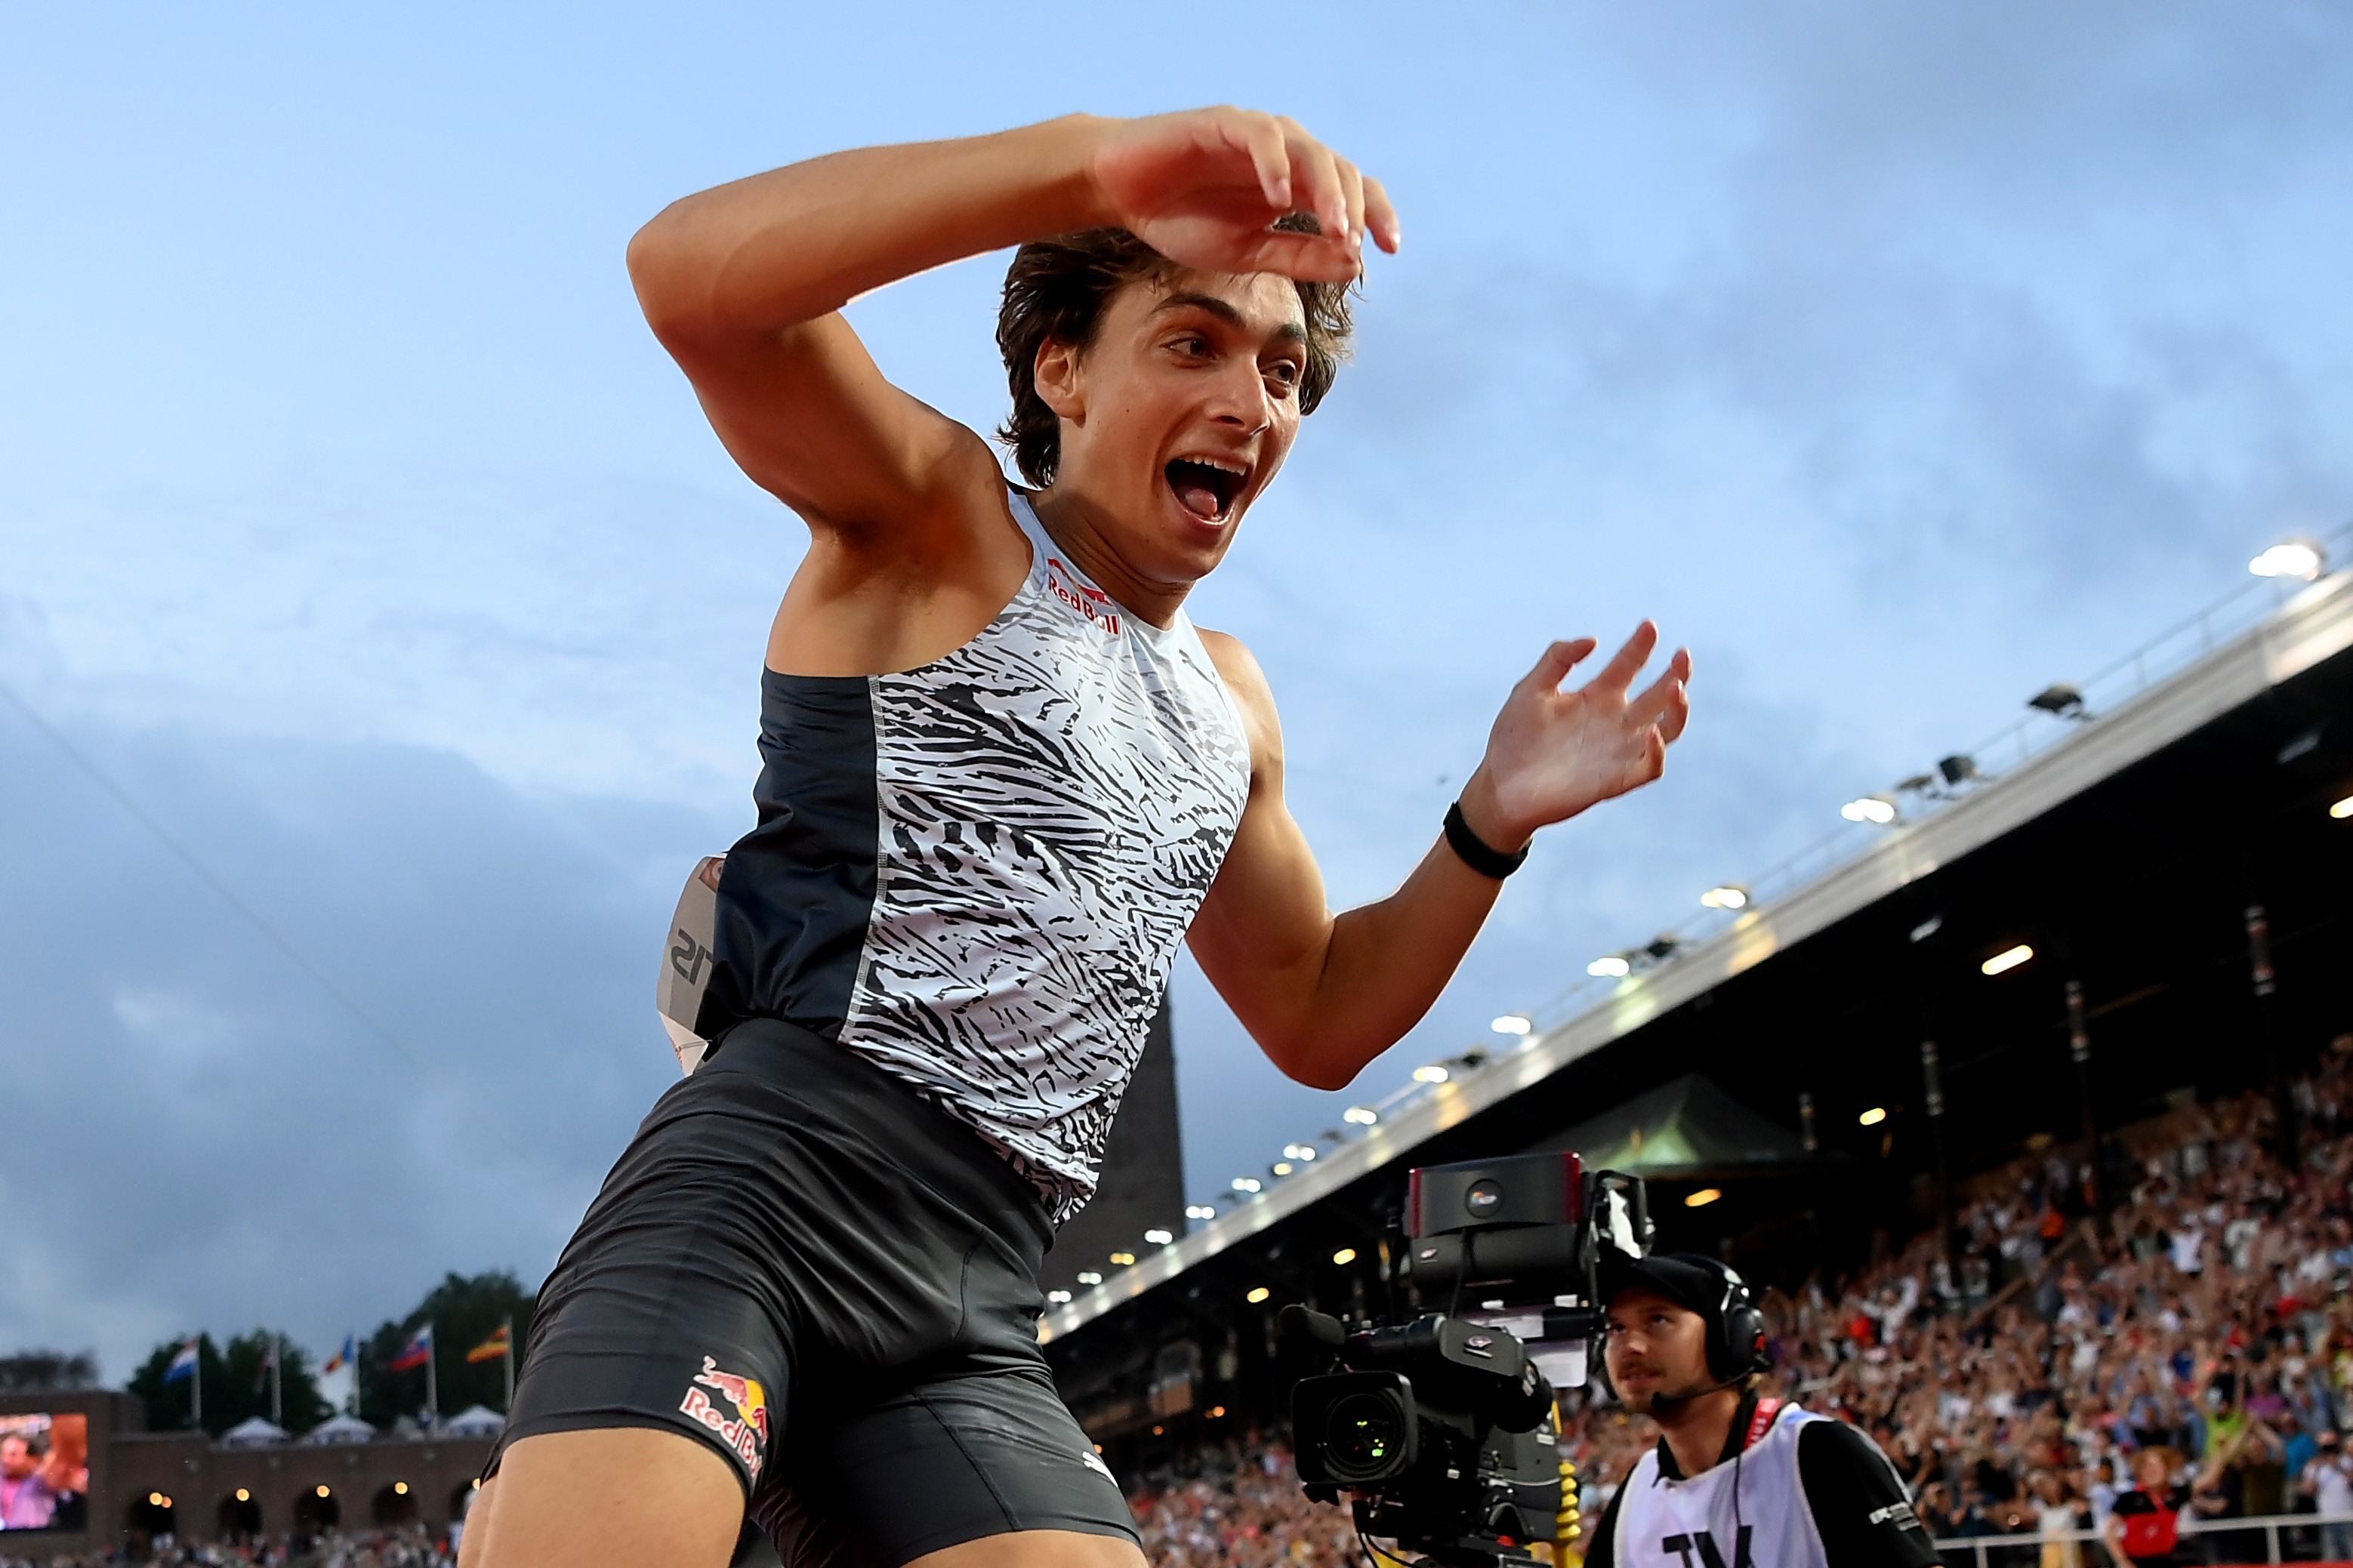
1290 331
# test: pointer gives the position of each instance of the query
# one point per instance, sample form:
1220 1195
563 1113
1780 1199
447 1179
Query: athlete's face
1181 412
1655 1347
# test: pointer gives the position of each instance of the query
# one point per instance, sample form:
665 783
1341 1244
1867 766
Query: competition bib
686 961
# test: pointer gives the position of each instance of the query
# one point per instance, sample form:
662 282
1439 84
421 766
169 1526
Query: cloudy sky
1900 360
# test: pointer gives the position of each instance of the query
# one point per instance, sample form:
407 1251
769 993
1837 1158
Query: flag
344 1357
183 1365
417 1352
489 1349
268 1363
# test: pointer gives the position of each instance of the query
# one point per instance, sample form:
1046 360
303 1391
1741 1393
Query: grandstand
1858 1055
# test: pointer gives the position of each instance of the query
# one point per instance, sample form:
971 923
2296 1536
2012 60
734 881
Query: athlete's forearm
760 254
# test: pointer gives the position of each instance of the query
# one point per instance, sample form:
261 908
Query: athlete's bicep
807 414
1858 1502
1263 931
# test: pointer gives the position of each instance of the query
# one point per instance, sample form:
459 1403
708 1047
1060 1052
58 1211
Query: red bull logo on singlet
747 1433
1091 602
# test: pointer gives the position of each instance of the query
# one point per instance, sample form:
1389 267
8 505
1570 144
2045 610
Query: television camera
1442 1427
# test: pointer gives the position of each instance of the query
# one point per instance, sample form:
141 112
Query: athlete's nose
1241 399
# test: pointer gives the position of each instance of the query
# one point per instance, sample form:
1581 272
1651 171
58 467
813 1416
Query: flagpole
509 1407
432 1355
196 1388
277 1380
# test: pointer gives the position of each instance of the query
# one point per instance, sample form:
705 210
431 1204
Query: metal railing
1993 1550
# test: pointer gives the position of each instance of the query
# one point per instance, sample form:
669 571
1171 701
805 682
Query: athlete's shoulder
1240 669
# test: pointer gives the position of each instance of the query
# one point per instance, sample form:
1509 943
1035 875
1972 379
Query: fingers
1558 661
1381 218
1261 136
1315 184
1352 187
1627 661
1658 700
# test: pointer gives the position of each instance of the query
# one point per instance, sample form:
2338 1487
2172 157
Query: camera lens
1362 1436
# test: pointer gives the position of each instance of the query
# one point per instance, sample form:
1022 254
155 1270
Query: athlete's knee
607 1498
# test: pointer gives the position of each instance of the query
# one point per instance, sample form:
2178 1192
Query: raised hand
1552 754
1204 188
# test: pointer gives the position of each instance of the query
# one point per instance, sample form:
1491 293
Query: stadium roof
2220 676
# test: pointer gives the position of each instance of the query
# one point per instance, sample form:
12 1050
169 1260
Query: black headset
1736 1347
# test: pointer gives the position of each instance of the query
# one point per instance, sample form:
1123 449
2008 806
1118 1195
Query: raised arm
1321 994
744 283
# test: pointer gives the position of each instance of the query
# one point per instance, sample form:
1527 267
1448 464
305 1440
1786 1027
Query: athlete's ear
1059 380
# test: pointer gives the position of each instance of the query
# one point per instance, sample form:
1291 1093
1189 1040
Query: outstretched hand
1205 187
1553 753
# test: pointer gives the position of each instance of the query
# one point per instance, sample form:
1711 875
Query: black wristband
1476 852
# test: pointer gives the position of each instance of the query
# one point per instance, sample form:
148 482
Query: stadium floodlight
1156 1236
1302 1152
1876 809
1434 1073
1200 1211
1258 1293
1360 1116
2008 959
1123 1259
2305 558
1279 1168
2060 702
2342 809
1874 1117
1058 1297
1344 1256
1610 966
1702 1198
1247 1185
1089 1276
1726 896
1513 1024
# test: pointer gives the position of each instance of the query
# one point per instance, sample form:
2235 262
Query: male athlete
1003 777
1736 1481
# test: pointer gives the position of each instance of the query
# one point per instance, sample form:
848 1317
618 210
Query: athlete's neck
1075 525
1698 1430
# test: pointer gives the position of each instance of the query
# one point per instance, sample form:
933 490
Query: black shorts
802 1264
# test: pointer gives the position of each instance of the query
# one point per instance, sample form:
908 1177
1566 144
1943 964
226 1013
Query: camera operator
1736 1481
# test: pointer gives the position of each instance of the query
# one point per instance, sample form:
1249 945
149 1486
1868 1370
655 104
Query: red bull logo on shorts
747 1433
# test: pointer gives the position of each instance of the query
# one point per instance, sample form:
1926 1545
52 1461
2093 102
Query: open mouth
1205 487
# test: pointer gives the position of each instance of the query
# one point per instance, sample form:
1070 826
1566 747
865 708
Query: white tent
340 1429
254 1433
475 1421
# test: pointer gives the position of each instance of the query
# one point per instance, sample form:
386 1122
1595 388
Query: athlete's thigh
1038 1549
615 1497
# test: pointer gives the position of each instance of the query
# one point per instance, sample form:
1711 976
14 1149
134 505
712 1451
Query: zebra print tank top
976 874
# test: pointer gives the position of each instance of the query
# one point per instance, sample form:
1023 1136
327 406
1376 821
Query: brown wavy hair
1055 292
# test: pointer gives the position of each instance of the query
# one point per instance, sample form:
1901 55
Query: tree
39 1372
236 1384
464 1313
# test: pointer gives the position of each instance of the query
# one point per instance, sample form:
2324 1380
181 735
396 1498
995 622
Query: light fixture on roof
1360 1116
1200 1211
1726 896
2008 959
1302 1152
1344 1256
2305 558
1280 1168
1876 809
1247 1185
1874 1117
1702 1198
1089 1277
1610 966
1434 1073
1058 1297
2342 809
1513 1024
1927 928
1123 1259
2060 702
1258 1293
1156 1236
